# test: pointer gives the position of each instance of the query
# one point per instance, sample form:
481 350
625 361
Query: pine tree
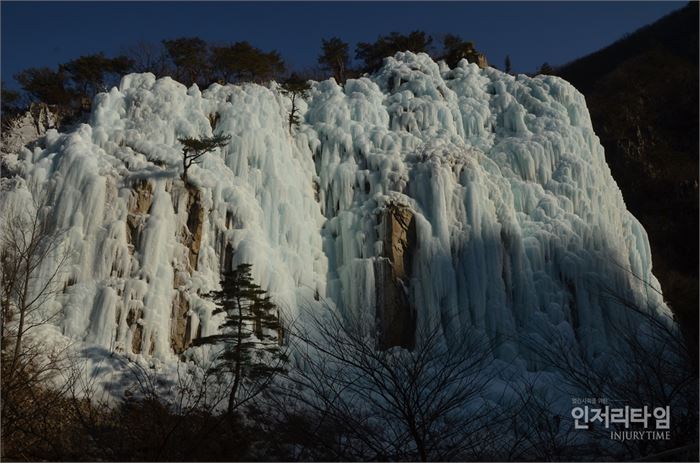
295 86
456 49
508 64
195 148
251 336
546 69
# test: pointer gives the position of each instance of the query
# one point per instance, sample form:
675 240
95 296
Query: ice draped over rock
423 196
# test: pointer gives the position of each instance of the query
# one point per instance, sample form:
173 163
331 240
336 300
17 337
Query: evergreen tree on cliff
251 335
194 148
295 87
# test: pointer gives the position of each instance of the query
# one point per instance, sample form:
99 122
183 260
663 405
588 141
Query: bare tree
31 261
148 57
32 402
350 400
27 243
649 362
538 430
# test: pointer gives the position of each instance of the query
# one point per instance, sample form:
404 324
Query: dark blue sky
49 33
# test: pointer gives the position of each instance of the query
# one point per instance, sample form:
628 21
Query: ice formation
465 197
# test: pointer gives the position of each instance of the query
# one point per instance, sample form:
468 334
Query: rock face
139 206
195 222
181 325
29 127
191 238
481 61
396 318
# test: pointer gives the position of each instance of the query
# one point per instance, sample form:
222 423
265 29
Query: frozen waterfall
422 195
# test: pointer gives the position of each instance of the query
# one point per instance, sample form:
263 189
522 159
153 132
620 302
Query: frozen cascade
511 219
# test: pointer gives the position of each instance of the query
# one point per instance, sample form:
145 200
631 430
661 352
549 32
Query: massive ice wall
422 196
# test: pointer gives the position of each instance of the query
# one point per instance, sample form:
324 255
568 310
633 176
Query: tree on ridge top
373 54
243 62
190 55
335 57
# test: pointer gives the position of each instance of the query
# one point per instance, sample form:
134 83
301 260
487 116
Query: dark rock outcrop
195 223
396 318
180 338
140 204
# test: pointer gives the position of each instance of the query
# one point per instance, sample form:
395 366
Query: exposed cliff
26 128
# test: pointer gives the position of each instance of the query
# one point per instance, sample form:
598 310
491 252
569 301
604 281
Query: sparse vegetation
367 404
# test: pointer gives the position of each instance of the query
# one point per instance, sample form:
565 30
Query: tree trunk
291 114
22 313
237 367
